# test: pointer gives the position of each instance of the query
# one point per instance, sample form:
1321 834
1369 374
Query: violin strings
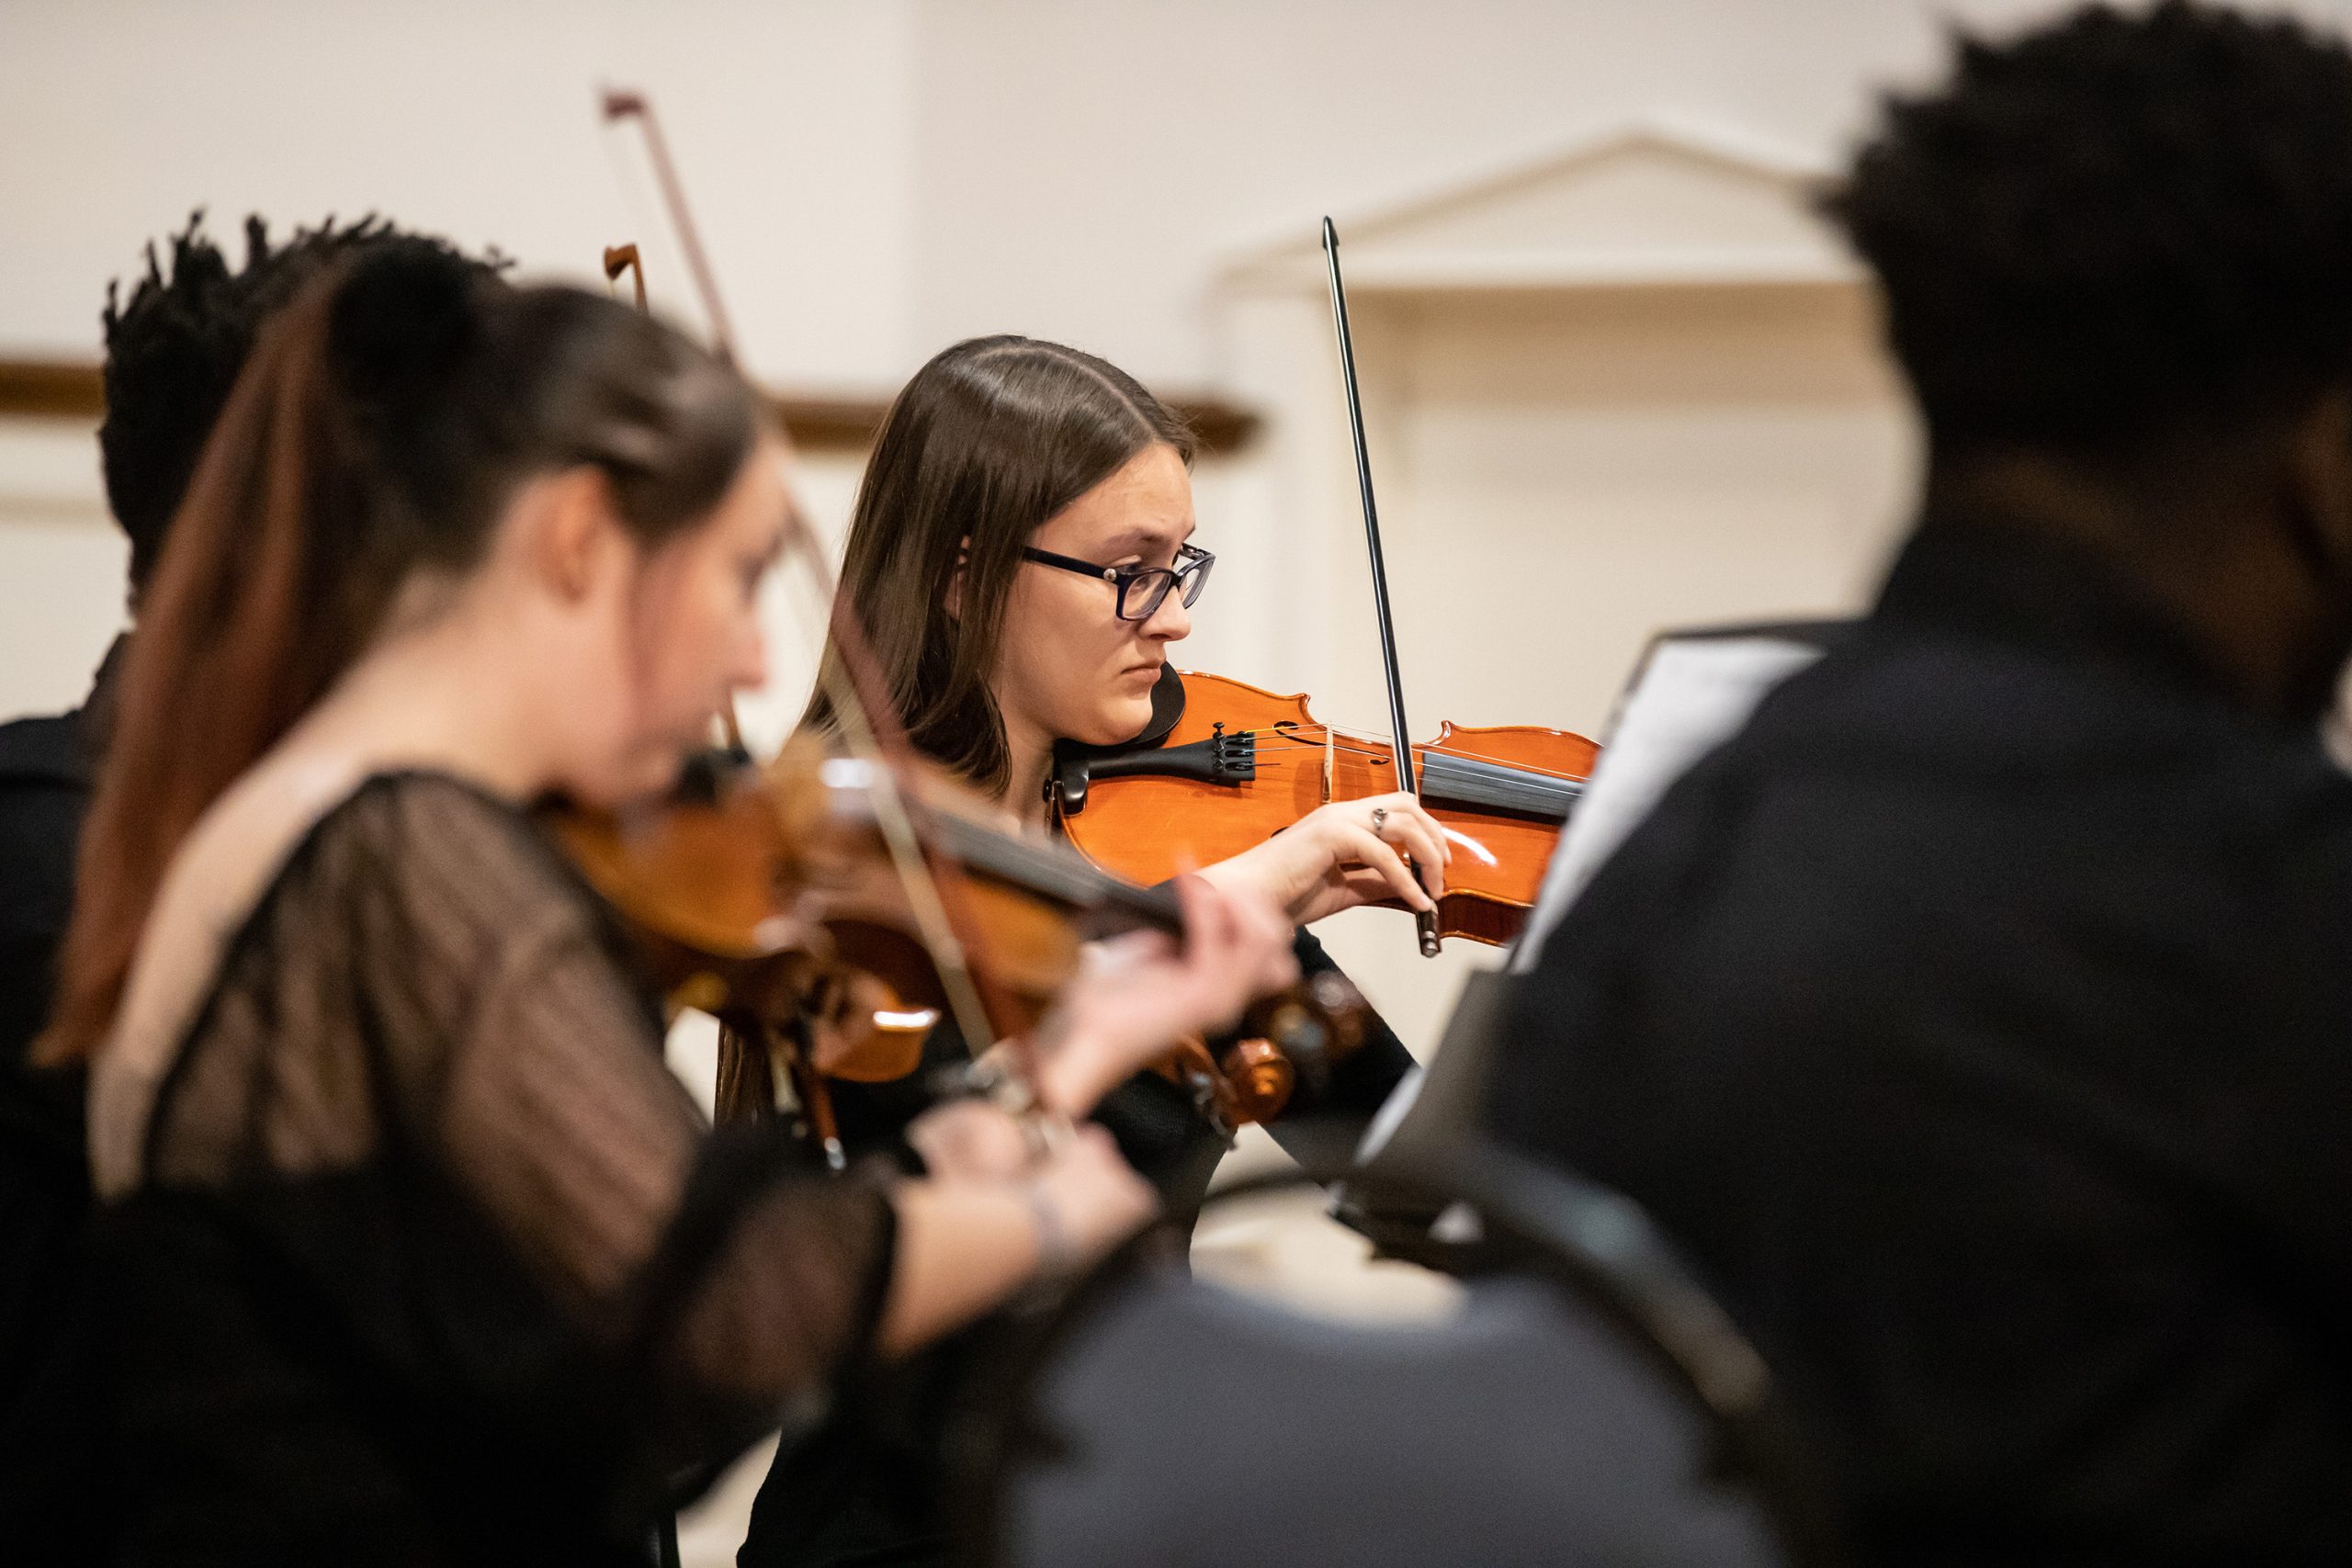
1422 755
1351 751
1361 737
1305 740
1291 740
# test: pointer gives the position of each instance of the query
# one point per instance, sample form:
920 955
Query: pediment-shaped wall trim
1653 202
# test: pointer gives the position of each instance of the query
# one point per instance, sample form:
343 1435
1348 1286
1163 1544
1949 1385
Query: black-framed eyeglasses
1142 589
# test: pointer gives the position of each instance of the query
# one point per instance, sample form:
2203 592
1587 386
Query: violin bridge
1331 764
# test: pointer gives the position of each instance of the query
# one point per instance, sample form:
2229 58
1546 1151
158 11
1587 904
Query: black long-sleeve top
48 1421
425 1256
1979 1019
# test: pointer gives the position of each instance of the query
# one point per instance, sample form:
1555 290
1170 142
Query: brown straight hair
991 438
383 423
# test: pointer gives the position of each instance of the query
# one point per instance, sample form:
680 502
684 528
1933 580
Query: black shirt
47 768
421 1254
866 1488
1980 1018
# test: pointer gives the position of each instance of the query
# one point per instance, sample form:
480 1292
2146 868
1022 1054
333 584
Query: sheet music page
1692 695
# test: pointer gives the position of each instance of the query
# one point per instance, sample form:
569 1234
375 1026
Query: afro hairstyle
2116 228
174 352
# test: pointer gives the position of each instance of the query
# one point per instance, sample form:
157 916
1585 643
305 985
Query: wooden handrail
65 389
50 389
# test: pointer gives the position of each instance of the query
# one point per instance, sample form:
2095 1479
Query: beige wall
1563 470
1626 459
477 120
61 565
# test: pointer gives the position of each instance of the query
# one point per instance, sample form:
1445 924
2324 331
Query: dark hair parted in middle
2114 226
992 437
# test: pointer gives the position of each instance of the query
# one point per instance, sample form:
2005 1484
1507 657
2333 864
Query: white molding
1471 272
1383 258
49 473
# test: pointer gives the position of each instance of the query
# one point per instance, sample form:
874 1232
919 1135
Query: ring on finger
1379 816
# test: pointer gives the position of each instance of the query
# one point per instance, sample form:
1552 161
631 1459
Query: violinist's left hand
1343 855
1139 994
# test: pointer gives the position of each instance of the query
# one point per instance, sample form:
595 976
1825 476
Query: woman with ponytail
415 1251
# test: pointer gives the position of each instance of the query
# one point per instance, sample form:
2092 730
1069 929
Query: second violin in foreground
765 895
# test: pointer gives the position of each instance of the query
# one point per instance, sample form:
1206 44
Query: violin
766 896
1239 764
705 884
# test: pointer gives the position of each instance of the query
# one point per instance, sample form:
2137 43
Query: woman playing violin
416 1250
1022 559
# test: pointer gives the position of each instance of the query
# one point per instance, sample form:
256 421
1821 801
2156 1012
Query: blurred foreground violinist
1980 1016
412 1249
172 351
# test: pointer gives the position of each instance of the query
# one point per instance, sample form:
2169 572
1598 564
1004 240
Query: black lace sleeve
728 1265
428 982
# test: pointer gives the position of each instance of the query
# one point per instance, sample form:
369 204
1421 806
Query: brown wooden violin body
766 897
711 885
1242 764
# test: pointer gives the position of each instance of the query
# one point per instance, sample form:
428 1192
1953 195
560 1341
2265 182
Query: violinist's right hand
1139 994
1343 855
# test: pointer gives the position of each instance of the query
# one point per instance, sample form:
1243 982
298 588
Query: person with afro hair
173 351
1979 1017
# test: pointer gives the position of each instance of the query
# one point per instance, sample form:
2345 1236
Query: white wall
878 177
479 121
791 122
1084 167
61 565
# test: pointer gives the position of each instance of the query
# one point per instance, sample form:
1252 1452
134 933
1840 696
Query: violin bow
1400 745
873 731
619 259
